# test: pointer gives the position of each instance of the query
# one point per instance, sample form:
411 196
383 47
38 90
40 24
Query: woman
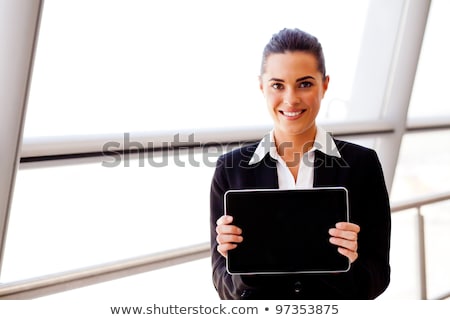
300 154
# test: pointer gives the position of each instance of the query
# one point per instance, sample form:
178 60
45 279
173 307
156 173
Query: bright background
152 66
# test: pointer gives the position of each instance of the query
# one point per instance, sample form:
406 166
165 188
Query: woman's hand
228 235
345 236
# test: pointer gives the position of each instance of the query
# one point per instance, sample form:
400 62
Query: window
118 66
422 169
114 66
422 165
429 97
85 214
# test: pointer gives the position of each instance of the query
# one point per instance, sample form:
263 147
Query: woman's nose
290 98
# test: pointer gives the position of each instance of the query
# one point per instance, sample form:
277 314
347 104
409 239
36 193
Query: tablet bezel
281 191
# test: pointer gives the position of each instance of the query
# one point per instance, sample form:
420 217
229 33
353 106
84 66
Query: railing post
422 255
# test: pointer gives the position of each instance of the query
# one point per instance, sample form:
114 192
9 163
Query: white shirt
305 176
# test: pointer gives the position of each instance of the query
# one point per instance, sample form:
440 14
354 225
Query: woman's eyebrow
298 80
276 80
305 78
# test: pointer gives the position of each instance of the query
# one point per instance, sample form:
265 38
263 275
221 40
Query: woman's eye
305 84
277 86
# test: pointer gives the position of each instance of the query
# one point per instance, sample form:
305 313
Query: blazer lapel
325 173
265 174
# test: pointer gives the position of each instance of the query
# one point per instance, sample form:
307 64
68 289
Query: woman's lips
292 114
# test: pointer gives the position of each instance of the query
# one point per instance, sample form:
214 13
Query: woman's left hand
345 236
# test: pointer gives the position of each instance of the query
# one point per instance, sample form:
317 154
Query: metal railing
51 284
417 204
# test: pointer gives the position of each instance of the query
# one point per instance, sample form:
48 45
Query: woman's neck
294 146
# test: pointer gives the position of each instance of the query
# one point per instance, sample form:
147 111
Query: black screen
286 231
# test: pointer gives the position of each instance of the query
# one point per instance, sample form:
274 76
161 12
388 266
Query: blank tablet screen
286 231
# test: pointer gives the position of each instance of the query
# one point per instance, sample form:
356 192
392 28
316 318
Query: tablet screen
286 231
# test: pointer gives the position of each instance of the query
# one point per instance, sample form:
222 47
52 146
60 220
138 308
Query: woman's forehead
291 63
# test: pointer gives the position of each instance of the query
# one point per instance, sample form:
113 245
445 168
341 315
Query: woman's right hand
228 235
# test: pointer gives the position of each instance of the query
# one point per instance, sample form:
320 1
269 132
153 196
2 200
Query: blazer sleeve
370 208
228 286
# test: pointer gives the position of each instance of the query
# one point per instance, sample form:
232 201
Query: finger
349 235
225 219
228 238
224 248
347 244
348 226
351 255
228 229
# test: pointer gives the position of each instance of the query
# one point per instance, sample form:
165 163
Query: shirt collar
323 142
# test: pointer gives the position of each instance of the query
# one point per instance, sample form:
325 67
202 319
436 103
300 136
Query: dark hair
294 40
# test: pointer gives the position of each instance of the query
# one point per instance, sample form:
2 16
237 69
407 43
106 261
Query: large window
118 66
73 216
128 66
423 168
423 165
107 68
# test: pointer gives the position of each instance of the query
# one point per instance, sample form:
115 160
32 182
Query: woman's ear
261 86
325 83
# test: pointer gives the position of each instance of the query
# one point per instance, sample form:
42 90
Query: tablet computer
286 231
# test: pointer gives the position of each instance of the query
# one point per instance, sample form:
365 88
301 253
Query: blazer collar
325 172
323 142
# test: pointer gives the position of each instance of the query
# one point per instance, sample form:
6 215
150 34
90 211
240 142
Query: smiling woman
298 156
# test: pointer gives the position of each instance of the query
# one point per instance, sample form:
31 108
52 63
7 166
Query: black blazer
358 170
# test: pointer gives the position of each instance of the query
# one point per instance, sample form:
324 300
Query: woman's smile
293 115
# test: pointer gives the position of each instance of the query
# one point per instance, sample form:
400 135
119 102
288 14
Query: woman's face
293 88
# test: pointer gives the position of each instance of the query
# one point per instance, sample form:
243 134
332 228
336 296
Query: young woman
300 154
